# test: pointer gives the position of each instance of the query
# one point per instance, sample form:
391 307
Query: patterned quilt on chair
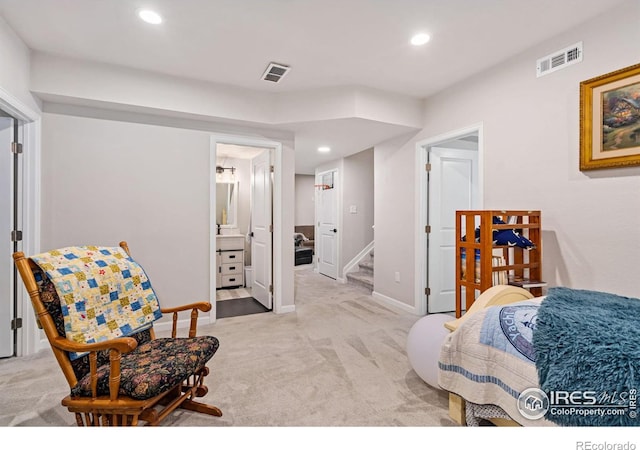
104 293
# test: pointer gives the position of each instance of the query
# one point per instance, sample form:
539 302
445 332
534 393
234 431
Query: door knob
335 230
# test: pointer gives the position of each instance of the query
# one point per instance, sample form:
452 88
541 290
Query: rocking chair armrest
202 306
122 345
193 324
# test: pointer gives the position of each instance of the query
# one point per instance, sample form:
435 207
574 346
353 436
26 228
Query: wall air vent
275 72
559 60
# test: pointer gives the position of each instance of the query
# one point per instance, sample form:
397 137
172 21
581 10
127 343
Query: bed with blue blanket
569 358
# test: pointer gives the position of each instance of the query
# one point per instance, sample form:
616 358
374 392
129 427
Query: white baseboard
41 345
286 309
394 303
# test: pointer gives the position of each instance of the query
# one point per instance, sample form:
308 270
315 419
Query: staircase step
366 266
361 279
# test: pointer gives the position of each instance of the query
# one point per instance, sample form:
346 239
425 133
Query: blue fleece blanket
588 357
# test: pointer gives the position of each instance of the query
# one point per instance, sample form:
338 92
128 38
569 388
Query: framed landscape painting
610 120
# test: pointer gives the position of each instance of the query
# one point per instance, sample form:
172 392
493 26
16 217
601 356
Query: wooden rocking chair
128 381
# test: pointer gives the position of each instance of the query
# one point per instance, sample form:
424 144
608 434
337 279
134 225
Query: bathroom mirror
227 204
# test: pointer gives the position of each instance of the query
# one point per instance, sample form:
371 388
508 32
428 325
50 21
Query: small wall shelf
475 269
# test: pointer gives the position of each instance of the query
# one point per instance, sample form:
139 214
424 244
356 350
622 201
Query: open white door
327 218
7 213
261 228
453 185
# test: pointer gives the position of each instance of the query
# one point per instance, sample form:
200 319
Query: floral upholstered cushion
81 365
154 367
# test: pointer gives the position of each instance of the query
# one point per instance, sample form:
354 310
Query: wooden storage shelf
519 263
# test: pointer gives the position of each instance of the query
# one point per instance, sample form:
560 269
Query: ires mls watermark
534 403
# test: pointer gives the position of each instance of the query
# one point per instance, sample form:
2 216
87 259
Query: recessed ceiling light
149 16
324 149
420 39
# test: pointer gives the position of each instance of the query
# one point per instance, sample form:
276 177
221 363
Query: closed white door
453 185
261 228
327 218
6 245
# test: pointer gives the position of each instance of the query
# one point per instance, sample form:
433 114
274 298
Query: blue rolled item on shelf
510 237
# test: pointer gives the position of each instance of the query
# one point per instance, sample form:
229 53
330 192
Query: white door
327 221
453 185
6 246
261 243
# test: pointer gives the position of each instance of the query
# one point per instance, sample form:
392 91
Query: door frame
29 339
277 236
12 133
422 210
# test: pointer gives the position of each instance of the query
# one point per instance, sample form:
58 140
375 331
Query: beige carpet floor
338 361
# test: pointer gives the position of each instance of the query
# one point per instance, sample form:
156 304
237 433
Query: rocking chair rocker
122 381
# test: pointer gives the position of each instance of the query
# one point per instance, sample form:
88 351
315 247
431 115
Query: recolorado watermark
588 445
534 403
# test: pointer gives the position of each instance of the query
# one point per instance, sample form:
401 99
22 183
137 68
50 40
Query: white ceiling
327 43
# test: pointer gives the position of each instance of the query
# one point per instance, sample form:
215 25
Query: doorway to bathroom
449 179
243 208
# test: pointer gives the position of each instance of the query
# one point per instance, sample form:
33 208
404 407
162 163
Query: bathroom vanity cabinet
230 261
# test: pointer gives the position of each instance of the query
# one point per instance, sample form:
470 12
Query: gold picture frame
610 120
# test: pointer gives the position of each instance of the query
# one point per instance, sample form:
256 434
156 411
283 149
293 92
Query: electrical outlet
397 277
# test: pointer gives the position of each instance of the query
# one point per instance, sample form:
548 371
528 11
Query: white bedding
489 360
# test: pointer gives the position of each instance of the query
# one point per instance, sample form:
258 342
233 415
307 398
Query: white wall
394 219
140 90
305 200
591 220
61 78
283 227
104 181
107 181
358 183
15 69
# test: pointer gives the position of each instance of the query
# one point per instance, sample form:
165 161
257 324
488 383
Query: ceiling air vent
559 60
275 72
